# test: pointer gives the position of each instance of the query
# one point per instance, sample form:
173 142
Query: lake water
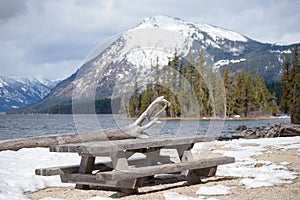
20 126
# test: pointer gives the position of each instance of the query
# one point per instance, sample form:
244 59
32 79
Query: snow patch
219 33
269 174
15 181
221 63
214 190
281 52
176 196
149 57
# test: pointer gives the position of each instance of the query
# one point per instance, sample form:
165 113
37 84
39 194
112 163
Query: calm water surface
20 126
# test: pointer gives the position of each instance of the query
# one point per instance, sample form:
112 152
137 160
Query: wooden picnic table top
112 146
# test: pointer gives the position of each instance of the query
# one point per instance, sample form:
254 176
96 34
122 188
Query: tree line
101 106
196 90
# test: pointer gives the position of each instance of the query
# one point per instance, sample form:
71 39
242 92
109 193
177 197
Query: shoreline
214 118
173 118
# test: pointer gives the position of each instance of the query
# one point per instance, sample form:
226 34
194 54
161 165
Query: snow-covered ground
17 168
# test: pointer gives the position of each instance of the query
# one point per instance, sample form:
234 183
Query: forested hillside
195 90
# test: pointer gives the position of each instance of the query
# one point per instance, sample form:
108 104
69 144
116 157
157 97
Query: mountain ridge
17 92
133 55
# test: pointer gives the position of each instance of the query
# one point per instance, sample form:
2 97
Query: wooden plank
52 171
162 169
107 166
90 179
85 179
105 148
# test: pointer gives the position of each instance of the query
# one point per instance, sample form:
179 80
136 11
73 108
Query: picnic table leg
86 167
120 162
194 176
185 155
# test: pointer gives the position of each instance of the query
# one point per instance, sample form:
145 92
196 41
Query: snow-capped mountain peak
21 91
133 56
191 29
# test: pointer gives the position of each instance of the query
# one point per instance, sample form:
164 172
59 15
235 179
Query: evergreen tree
134 103
250 95
263 97
198 81
229 91
295 111
274 107
156 80
286 97
219 104
240 95
189 104
124 106
146 98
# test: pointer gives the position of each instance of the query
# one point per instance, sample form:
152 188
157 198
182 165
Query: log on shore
47 141
275 130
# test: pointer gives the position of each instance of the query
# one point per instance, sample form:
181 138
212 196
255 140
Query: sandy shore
274 155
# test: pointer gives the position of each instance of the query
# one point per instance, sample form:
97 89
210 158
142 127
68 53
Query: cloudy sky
51 38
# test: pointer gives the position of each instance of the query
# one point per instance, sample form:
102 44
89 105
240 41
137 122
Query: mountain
133 55
20 92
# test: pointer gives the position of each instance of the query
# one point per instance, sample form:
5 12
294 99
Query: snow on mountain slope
133 55
197 31
19 92
154 41
219 33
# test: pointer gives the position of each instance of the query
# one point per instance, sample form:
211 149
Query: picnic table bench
127 173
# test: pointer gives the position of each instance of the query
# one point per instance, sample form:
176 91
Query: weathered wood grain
107 166
111 147
161 169
47 141
90 179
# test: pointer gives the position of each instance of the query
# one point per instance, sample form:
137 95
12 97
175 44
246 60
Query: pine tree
124 106
274 107
157 86
134 103
263 97
198 81
146 98
250 98
190 107
286 97
295 111
240 95
229 91
219 104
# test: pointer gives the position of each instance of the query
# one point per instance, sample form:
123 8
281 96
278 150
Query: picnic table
128 174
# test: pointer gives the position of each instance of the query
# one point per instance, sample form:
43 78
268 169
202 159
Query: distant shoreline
213 118
173 118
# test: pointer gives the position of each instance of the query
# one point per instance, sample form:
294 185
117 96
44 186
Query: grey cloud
41 37
11 8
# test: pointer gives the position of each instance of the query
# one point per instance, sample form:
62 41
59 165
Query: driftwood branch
134 130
